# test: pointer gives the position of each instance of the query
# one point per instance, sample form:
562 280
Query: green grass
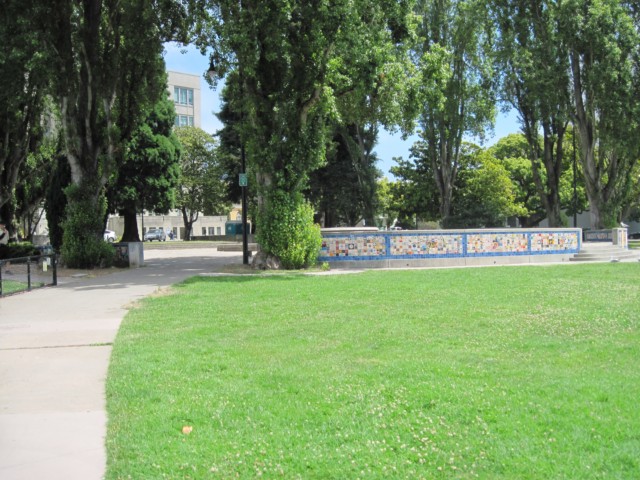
11 286
491 373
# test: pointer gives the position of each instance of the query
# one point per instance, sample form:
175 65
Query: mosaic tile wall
354 246
393 245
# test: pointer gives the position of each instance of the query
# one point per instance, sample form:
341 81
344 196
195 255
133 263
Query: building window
218 230
183 96
204 231
184 121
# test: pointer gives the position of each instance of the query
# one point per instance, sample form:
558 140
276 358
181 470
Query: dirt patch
64 272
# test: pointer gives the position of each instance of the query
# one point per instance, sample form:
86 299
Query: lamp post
242 178
575 185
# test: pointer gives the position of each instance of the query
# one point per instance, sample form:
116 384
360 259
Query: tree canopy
203 183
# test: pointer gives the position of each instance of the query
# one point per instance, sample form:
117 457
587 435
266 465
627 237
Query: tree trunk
130 233
188 218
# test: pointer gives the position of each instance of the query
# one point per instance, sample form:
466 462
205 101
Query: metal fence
24 274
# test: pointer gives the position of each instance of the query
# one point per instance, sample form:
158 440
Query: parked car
109 236
155 234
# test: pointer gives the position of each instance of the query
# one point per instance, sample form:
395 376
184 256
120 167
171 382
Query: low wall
370 248
129 254
616 236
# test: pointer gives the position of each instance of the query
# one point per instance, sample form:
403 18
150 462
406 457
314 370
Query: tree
107 71
33 182
603 45
344 190
24 84
484 195
458 98
203 183
533 59
294 59
56 201
415 195
150 173
512 152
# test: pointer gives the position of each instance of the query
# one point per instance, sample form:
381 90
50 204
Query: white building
185 92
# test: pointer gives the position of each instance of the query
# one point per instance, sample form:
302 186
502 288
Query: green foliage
203 182
344 189
603 41
484 193
83 244
512 152
414 195
149 174
26 73
56 201
535 80
288 232
457 95
303 67
18 250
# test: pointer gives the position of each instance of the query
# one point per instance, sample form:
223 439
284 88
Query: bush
83 244
18 250
286 230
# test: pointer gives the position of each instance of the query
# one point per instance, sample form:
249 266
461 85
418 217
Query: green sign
242 180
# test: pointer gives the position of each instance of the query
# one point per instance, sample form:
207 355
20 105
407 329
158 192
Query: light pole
575 185
242 178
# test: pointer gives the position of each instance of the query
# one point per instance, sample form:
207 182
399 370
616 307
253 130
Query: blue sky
389 145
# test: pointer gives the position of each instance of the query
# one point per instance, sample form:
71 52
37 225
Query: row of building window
212 231
183 96
184 121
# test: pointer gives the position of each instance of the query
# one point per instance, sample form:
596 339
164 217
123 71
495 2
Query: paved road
55 345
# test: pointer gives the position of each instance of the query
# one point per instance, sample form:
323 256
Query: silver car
155 234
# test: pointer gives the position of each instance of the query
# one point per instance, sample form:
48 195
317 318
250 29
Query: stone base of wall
452 262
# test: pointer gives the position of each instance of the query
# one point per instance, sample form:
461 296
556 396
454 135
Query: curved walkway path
55 345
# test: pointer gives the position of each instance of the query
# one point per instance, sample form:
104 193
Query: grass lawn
11 286
491 373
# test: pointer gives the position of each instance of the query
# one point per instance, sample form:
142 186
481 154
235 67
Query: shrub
286 230
18 250
83 245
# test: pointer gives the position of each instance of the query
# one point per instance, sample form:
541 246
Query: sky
190 60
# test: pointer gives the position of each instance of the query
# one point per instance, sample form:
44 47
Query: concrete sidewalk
55 345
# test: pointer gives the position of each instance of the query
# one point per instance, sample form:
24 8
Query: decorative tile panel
408 245
497 244
554 242
353 246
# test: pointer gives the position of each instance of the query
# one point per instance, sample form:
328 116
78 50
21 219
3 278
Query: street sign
243 180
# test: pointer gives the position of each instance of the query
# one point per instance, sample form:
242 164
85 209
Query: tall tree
107 69
149 175
484 194
25 61
458 97
415 194
603 41
294 60
203 183
344 189
512 152
534 65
